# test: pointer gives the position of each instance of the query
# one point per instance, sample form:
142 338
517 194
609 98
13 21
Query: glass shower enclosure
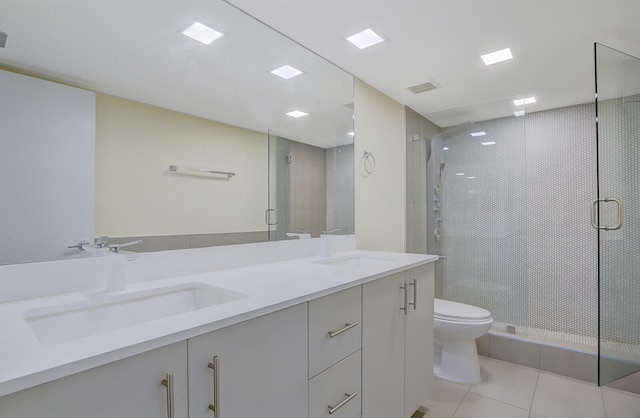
616 213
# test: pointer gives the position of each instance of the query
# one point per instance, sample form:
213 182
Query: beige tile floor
513 391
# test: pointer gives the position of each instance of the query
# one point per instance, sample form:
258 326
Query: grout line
604 406
502 402
460 403
535 390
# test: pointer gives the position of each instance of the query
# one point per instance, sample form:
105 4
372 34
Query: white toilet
456 327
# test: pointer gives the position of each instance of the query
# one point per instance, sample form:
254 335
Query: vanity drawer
337 388
334 328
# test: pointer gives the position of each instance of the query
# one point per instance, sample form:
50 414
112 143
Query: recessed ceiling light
519 113
459 174
489 143
352 134
286 72
445 148
365 39
521 102
471 177
479 133
296 113
497 56
202 33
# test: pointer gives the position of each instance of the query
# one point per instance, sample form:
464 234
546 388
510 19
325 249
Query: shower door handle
594 211
267 217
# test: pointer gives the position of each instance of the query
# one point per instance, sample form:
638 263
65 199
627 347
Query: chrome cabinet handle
215 367
333 409
415 294
404 304
168 383
347 327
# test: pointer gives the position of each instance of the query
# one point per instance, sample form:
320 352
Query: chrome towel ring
367 164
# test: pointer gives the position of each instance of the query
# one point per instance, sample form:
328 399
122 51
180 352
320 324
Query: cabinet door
129 388
262 368
419 338
383 347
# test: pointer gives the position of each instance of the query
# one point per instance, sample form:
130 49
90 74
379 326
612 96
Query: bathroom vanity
348 335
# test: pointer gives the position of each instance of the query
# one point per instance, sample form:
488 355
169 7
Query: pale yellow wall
379 198
135 193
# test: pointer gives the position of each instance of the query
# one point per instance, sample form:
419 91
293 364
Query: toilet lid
455 310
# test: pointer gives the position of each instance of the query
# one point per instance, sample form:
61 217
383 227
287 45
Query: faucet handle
101 241
301 230
330 231
81 245
116 247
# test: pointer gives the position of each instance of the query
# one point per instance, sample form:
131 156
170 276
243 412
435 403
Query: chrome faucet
301 234
82 245
325 249
116 247
100 241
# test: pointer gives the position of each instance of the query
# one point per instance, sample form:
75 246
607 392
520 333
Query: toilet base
457 361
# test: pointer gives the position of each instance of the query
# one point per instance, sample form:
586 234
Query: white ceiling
442 40
133 49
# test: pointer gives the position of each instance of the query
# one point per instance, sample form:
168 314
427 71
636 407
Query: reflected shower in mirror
311 189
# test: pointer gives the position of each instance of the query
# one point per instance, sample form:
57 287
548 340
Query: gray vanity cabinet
128 388
364 350
397 343
261 368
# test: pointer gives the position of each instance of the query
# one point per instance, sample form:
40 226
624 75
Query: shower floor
622 351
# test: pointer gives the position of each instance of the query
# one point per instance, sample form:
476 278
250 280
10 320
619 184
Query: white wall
379 198
136 195
47 151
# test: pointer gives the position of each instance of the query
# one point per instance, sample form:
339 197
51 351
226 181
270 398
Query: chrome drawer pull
415 294
404 299
168 382
333 409
347 327
215 367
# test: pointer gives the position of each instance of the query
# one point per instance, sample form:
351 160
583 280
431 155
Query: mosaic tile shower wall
518 238
483 202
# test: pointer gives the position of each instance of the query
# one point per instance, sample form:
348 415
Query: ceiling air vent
424 87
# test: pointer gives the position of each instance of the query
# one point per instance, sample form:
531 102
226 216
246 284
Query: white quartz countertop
26 362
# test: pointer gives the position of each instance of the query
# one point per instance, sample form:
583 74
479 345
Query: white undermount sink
355 261
66 322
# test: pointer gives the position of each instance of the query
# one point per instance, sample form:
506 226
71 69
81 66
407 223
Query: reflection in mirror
311 189
163 99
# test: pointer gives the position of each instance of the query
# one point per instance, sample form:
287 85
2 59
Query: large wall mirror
193 144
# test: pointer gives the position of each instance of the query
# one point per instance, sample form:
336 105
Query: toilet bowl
456 327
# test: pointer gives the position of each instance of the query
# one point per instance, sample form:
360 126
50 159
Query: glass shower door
616 213
277 215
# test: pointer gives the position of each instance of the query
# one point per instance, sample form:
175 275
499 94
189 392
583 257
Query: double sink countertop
46 338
